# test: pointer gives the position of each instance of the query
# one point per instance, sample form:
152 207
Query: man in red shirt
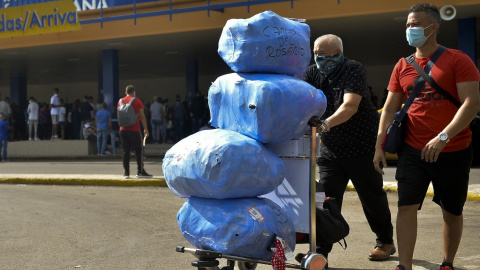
132 137
437 146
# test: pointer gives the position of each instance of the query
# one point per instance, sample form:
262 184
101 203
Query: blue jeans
102 138
113 140
157 130
3 145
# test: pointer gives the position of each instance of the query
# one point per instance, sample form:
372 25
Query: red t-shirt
137 105
430 112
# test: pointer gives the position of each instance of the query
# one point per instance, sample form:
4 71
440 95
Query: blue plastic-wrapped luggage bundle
270 108
239 227
266 43
221 164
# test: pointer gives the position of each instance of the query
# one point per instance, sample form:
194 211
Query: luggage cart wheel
314 261
247 265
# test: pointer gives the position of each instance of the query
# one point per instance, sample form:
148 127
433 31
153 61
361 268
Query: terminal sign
50 17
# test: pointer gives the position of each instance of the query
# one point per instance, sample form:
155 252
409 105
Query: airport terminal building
169 47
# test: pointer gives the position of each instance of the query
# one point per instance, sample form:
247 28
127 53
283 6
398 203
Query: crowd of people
57 120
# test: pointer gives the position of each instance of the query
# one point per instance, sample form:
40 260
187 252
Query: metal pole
313 189
134 12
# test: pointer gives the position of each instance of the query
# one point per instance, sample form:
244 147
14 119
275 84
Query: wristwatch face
443 137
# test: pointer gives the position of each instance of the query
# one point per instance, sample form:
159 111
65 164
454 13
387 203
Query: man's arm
392 105
469 95
143 119
348 108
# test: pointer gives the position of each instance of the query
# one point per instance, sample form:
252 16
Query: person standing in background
86 114
157 120
103 122
132 137
4 129
62 112
179 117
5 108
197 111
76 119
54 110
33 110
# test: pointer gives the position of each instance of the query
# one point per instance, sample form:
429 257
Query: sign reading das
49 17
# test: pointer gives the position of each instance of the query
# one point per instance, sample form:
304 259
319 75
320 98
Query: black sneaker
144 174
400 267
126 175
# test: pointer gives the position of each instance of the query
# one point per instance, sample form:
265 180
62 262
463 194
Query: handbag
331 227
395 135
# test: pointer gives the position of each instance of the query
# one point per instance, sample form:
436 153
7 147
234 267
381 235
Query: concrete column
110 78
467 37
191 76
18 85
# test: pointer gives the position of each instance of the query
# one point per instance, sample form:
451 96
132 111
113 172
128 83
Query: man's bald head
327 45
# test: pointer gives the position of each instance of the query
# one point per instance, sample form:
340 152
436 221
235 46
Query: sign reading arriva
36 19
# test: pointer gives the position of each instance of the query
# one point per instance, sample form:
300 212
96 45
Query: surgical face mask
416 36
329 64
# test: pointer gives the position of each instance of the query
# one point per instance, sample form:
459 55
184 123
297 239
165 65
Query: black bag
331 227
393 140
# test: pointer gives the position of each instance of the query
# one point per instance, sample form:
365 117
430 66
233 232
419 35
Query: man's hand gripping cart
304 195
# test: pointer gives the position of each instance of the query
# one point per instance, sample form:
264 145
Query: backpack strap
431 81
131 100
420 82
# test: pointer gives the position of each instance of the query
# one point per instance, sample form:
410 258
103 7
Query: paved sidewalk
108 171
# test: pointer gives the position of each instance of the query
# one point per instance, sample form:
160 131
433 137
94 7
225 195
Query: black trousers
132 139
334 175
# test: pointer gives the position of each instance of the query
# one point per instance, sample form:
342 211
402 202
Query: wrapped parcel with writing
243 227
270 108
266 43
221 164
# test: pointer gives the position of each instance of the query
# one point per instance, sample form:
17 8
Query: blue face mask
329 64
416 36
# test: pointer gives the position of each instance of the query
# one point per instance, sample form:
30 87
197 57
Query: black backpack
331 226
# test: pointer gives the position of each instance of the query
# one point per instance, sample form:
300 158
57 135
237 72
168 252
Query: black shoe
299 257
143 174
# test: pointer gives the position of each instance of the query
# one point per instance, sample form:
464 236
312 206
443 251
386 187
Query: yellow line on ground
84 181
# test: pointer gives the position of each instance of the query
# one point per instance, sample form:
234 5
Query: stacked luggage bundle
223 171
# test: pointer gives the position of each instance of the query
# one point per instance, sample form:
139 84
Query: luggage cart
209 260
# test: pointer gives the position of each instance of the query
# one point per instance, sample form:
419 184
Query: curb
144 182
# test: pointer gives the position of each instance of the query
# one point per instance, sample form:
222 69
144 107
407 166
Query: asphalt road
93 227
